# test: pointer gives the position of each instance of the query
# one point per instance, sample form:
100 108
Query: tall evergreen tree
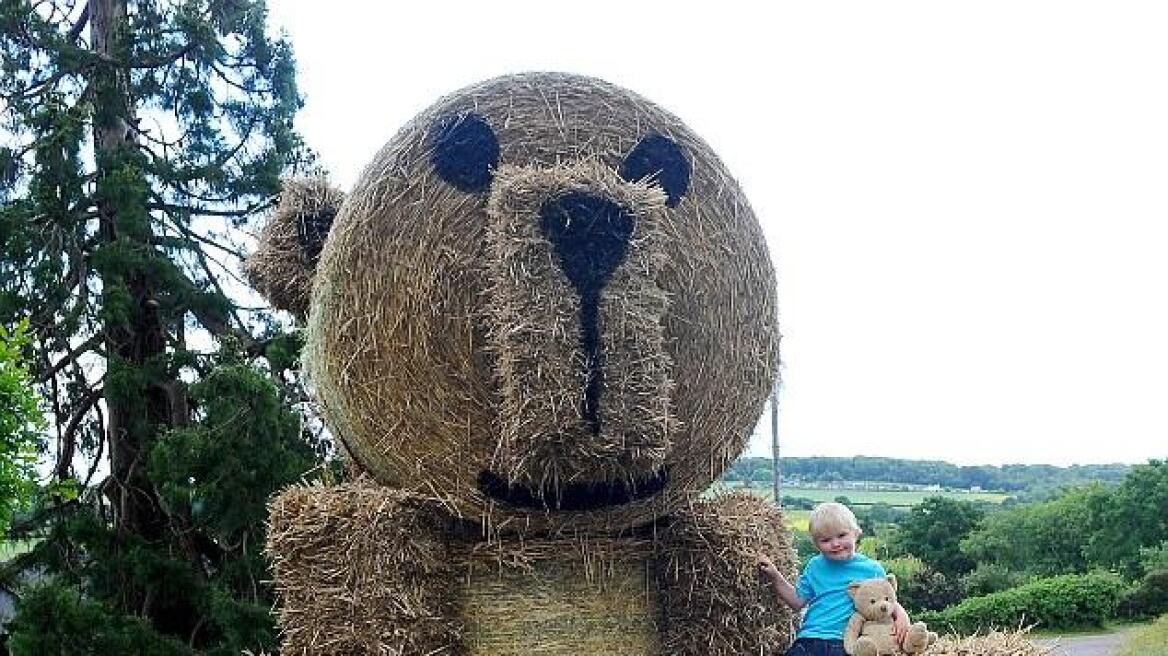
139 136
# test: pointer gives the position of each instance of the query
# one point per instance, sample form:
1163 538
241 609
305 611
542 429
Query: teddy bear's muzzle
575 322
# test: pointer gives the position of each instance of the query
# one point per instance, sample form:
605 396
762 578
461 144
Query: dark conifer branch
72 356
69 437
82 21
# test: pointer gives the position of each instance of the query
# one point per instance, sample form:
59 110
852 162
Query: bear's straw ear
853 588
465 152
283 266
892 579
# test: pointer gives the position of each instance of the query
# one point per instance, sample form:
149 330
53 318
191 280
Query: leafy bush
988 578
1149 599
798 503
903 567
804 545
1060 602
1155 558
929 589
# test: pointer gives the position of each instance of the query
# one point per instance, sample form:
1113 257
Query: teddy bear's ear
465 152
853 588
283 266
892 579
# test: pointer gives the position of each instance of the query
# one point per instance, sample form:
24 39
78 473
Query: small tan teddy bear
869 632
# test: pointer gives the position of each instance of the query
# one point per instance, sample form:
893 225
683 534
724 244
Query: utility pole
776 476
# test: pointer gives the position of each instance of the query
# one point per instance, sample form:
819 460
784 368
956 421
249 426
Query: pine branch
100 447
204 211
69 438
82 21
71 356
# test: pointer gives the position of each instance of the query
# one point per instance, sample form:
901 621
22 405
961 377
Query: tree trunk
137 409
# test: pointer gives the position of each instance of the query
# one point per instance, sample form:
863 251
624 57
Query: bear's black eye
465 152
660 158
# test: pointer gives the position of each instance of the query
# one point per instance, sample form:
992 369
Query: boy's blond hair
831 518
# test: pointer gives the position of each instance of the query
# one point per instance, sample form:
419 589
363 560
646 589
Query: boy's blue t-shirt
824 584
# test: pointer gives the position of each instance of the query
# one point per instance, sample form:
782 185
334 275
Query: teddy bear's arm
853 632
712 597
360 569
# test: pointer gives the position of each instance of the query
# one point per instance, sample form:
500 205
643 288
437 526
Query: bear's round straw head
546 302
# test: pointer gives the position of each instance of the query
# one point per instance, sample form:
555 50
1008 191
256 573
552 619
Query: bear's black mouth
572 496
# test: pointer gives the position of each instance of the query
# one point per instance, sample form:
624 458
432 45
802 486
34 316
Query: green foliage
130 157
1061 602
217 473
933 531
21 423
1044 539
804 545
1147 599
1151 640
798 503
1154 558
1133 517
224 467
988 578
928 589
55 619
903 567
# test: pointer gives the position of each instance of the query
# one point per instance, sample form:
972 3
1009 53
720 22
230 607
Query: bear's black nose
591 236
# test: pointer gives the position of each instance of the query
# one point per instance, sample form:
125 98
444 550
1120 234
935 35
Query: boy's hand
900 623
768 569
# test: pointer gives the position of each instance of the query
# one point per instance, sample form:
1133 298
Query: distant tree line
1036 481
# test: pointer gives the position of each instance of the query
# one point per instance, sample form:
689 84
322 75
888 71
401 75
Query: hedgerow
1060 602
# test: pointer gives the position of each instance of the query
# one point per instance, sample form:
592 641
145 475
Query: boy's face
837 544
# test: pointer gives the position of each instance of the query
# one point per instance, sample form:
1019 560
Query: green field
895 498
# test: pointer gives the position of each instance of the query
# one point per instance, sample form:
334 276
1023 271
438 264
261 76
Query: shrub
1154 558
928 589
1060 602
1149 599
904 567
988 578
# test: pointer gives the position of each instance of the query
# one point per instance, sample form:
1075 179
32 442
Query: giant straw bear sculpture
541 323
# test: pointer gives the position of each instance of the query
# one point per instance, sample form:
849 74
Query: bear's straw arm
713 600
360 569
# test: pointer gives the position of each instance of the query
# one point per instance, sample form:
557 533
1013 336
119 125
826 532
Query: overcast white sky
967 203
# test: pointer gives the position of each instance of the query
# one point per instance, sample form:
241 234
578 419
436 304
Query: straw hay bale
365 569
560 597
713 600
360 569
418 285
996 643
283 266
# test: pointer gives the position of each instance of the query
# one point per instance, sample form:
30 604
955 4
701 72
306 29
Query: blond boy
823 586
